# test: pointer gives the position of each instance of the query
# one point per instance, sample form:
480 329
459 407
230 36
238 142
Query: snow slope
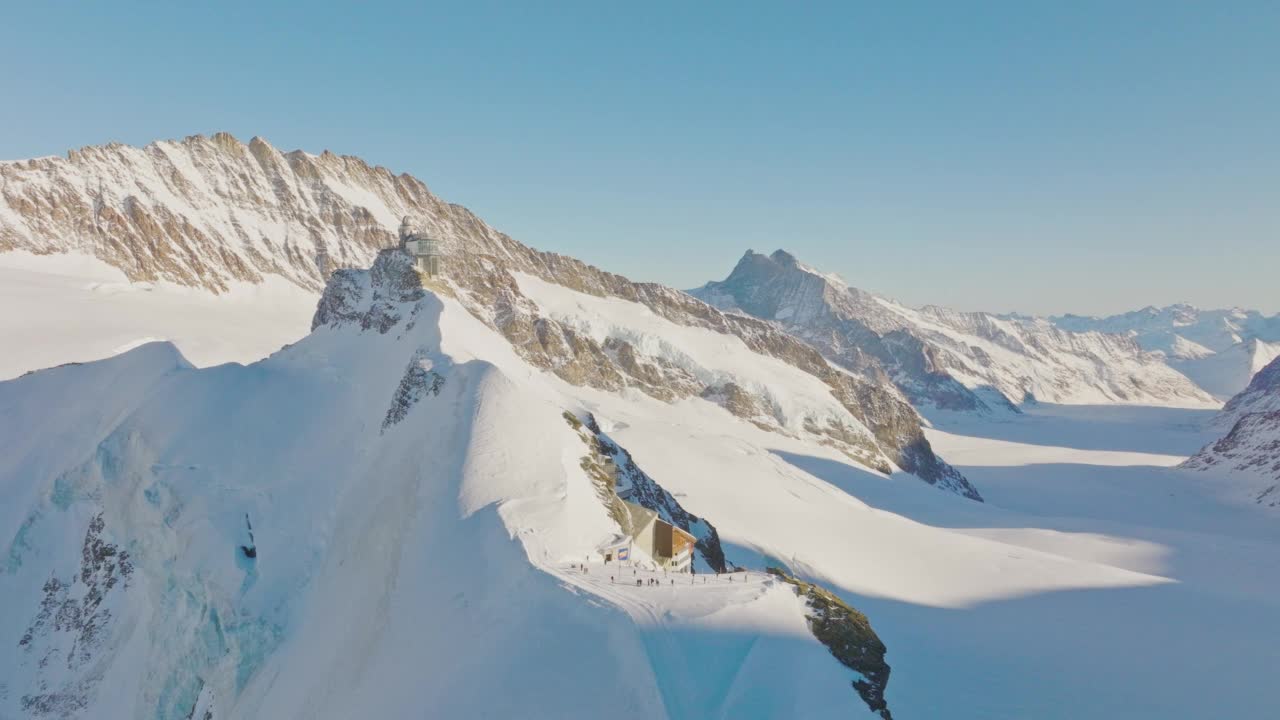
1229 371
413 498
1181 330
946 359
395 564
1218 349
1245 462
418 506
73 308
1099 483
1262 395
214 213
206 211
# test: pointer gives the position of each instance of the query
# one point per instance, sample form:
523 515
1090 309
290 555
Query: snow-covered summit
1225 373
209 211
357 526
407 508
945 358
1220 350
212 211
1181 330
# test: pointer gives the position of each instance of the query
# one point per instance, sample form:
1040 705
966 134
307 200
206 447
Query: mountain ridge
1248 455
1158 328
206 211
943 358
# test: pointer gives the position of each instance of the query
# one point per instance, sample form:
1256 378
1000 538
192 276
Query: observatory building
427 252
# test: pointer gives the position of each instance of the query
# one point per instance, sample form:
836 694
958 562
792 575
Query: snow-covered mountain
1218 349
210 212
406 511
357 526
1262 395
75 308
285 538
208 242
357 478
207 211
1226 372
1181 330
1245 463
944 358
1247 458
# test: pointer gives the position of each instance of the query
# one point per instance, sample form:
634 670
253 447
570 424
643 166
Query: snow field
73 308
426 565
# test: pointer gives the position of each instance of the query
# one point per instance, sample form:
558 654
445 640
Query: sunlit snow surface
73 308
426 568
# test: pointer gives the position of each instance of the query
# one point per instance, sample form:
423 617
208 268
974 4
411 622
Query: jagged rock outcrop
848 635
420 380
617 475
210 211
381 297
74 615
943 358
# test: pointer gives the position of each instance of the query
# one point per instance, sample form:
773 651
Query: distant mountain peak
941 357
1218 349
784 258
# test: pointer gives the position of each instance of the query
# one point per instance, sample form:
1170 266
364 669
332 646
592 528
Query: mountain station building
648 534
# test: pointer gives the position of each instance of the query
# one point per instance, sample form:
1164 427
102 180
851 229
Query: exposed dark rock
1252 450
175 231
419 381
613 470
848 635
370 298
72 616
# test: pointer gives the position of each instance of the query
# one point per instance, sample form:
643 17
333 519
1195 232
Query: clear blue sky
1032 156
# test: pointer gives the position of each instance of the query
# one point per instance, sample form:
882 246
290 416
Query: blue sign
624 553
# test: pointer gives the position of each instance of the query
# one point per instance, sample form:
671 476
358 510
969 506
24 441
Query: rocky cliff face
619 478
206 211
943 358
209 211
880 429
